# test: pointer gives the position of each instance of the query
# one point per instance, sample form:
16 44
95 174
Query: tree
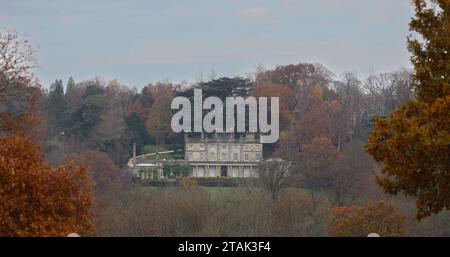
38 200
73 94
286 95
354 221
414 141
351 172
293 214
303 79
273 175
110 134
348 118
18 87
16 64
88 114
294 75
387 91
106 177
137 131
158 121
56 108
316 162
431 52
146 97
70 84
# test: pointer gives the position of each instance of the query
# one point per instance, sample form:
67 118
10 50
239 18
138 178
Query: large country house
216 155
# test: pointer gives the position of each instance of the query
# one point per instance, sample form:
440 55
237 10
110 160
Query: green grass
167 156
228 192
214 192
148 149
152 149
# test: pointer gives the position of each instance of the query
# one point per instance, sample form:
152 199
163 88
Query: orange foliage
107 182
38 200
414 145
286 95
291 212
292 199
136 107
158 120
414 141
354 221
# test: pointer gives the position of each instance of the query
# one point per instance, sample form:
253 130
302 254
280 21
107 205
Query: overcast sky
138 42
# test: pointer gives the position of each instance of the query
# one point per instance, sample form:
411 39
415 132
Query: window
224 147
235 157
202 156
213 157
258 157
190 156
246 156
224 156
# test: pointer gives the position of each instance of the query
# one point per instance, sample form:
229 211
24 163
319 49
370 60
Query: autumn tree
16 64
294 75
158 121
293 214
106 176
414 141
35 198
110 134
352 174
287 99
315 164
38 200
354 221
73 93
18 86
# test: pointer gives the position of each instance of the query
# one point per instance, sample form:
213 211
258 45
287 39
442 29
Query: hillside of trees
368 154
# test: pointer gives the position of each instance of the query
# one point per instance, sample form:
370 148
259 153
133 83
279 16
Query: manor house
223 155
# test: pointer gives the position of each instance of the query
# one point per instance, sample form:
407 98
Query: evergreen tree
56 108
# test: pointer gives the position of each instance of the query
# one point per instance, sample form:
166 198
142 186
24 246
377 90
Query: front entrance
224 171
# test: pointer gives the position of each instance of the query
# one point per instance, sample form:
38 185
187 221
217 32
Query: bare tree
16 64
387 91
19 89
273 174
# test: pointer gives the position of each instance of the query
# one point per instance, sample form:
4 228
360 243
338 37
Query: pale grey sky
138 42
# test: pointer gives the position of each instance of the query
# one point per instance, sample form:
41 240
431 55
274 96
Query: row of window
235 157
224 147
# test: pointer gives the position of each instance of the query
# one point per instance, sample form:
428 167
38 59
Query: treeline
108 116
321 181
324 124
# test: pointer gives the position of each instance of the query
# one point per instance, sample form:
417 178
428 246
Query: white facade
223 155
